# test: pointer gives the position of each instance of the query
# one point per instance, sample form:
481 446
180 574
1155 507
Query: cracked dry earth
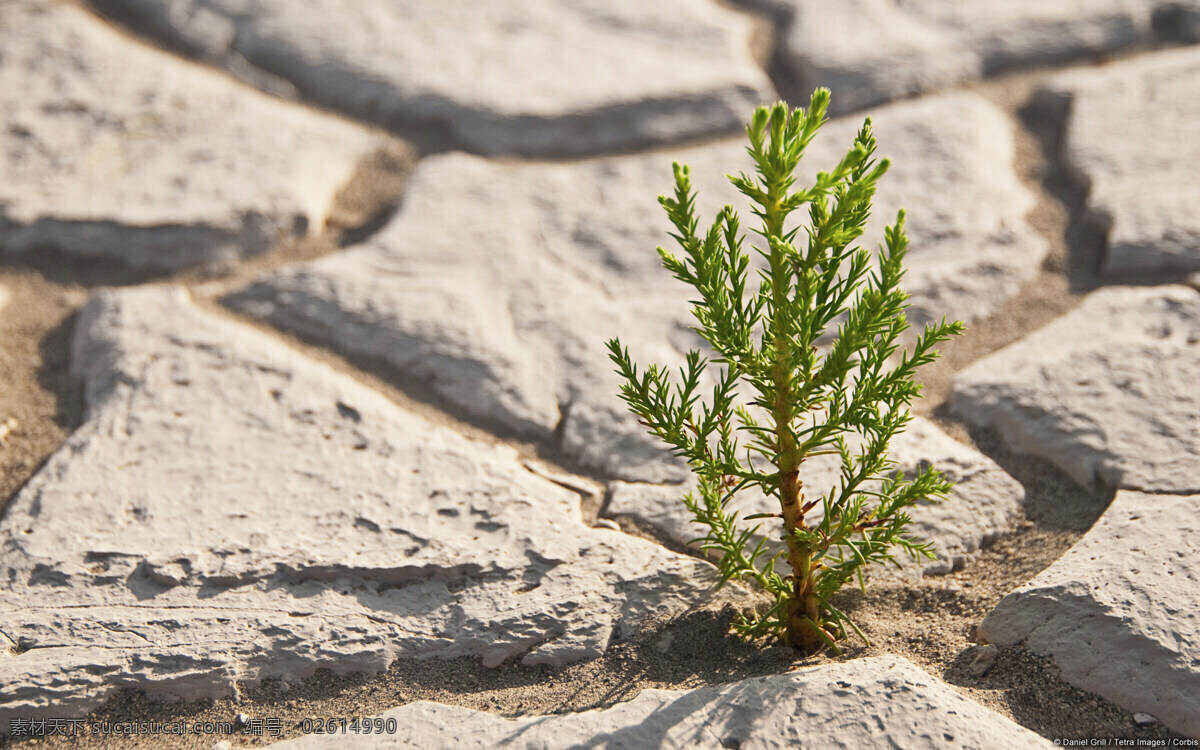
306 416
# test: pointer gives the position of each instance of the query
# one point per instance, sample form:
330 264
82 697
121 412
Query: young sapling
779 398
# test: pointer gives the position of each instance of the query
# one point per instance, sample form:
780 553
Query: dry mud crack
299 421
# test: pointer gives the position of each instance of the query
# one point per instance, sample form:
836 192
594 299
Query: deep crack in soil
39 404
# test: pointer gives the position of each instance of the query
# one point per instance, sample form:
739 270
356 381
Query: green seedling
848 399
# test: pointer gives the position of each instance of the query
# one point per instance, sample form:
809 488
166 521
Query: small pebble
242 719
664 644
7 427
1143 719
607 523
223 745
984 660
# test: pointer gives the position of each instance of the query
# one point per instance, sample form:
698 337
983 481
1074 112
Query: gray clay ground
305 408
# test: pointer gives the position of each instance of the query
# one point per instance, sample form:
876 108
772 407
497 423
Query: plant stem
803 610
